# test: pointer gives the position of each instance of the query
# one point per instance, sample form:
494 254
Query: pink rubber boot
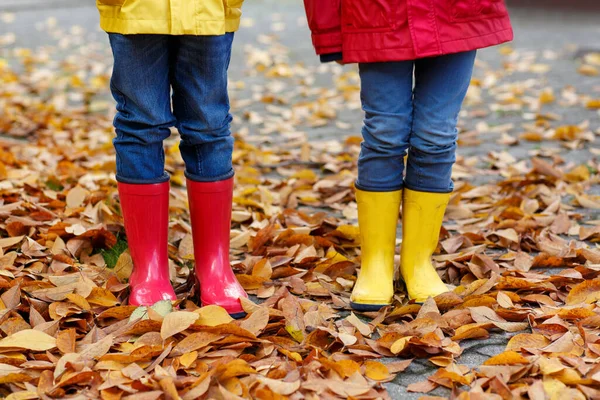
145 211
210 213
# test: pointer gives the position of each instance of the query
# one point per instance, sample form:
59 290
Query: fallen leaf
29 339
176 322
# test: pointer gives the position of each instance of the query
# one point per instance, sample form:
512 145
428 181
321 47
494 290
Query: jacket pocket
469 10
370 14
111 2
233 8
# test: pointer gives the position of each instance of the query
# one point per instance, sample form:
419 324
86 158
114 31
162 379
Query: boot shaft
422 217
145 209
378 219
210 214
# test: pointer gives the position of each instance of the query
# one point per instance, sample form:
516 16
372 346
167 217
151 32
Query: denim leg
140 85
441 84
201 105
386 95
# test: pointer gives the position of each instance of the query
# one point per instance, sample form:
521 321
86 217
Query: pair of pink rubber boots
145 209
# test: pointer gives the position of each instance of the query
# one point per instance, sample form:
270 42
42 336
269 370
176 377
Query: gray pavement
554 36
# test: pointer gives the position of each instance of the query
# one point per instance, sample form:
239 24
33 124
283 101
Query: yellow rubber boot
377 220
422 215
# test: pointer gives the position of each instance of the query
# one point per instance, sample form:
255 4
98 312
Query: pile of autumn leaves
67 333
516 252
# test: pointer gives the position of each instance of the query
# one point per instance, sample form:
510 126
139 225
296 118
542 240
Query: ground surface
546 54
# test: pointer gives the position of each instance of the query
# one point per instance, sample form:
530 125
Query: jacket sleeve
325 22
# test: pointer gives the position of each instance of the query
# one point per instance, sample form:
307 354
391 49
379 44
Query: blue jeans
149 72
421 121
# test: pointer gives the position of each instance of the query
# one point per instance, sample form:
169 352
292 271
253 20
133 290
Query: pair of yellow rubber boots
422 215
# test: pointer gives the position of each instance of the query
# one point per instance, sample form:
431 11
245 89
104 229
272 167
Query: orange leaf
585 292
376 370
527 341
507 358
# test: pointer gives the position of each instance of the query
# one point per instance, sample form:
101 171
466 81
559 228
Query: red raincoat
396 30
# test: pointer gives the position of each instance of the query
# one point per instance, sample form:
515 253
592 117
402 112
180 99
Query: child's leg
440 87
201 106
386 96
140 85
441 84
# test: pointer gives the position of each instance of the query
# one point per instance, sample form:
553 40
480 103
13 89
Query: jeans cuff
165 178
372 189
198 178
428 190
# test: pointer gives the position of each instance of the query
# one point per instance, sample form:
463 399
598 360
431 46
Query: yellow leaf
79 300
349 367
578 174
102 297
400 344
124 266
552 385
546 96
212 316
350 231
29 339
593 104
188 358
176 322
305 174
24 395
296 334
376 370
532 136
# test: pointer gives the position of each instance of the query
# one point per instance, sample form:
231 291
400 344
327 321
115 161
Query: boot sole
367 307
238 315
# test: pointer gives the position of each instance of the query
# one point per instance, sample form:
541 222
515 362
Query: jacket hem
163 27
407 53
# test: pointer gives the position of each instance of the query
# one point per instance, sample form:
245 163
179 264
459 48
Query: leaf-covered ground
518 245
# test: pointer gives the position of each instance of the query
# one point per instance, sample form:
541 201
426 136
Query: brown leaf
195 341
487 315
544 168
422 387
278 386
65 341
256 321
97 349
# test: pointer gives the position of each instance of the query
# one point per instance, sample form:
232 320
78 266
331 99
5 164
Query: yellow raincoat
170 17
